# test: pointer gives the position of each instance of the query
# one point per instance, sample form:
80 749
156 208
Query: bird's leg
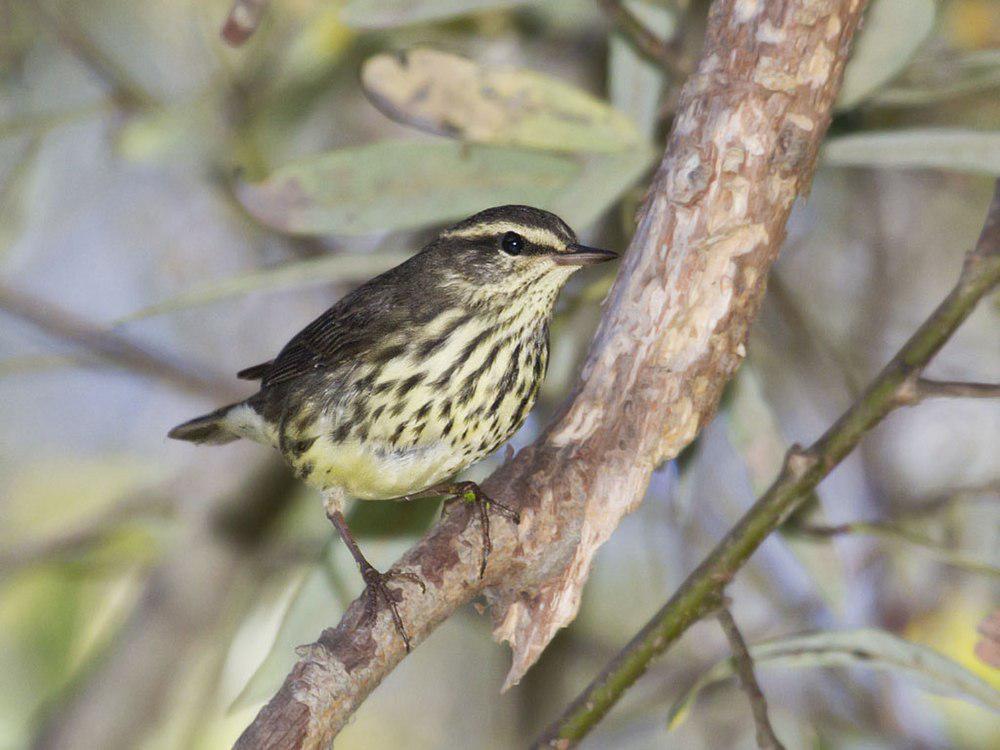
376 582
470 492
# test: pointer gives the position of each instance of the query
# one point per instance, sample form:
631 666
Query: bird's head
513 253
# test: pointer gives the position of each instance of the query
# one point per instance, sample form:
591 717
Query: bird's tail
212 428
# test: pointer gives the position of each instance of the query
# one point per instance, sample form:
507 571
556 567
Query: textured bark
743 147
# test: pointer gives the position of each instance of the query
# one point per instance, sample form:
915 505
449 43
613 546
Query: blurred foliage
209 201
874 649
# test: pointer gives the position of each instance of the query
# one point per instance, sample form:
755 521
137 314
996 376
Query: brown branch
802 472
111 347
766 738
743 148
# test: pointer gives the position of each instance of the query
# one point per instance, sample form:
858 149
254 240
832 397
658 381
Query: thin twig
891 531
766 738
802 472
128 93
955 389
112 347
666 53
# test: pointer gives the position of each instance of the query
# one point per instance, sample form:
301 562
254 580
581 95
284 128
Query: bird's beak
581 255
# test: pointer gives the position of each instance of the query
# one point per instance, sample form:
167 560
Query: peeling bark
744 146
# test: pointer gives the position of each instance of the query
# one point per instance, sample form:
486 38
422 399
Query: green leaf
603 180
384 14
951 149
35 506
941 77
402 185
343 267
451 95
867 647
892 33
635 84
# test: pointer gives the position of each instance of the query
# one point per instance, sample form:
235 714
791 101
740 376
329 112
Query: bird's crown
541 230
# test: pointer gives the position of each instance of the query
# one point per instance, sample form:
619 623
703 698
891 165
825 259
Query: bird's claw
376 586
470 492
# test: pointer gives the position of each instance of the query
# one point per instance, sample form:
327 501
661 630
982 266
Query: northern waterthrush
416 374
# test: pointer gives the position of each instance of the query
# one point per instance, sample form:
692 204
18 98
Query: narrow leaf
941 77
344 267
605 177
867 647
451 95
383 14
950 149
402 185
885 46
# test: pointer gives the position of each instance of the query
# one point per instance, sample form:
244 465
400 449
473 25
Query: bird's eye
512 243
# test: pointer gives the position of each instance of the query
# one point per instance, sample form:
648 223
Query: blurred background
172 209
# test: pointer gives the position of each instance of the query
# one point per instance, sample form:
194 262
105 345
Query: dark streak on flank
409 384
432 345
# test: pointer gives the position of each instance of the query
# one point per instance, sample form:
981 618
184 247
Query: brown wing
334 337
363 320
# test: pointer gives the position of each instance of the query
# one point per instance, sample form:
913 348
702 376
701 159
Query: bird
415 375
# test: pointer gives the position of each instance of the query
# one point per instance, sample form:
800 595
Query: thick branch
766 738
744 143
803 470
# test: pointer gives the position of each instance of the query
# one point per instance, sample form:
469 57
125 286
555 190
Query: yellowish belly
372 471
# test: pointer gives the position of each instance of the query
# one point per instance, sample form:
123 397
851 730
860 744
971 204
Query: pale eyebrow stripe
536 235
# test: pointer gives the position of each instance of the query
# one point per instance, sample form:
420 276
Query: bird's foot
470 492
376 587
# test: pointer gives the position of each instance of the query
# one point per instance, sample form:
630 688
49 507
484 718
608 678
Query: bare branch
766 738
803 471
950 389
112 347
744 146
